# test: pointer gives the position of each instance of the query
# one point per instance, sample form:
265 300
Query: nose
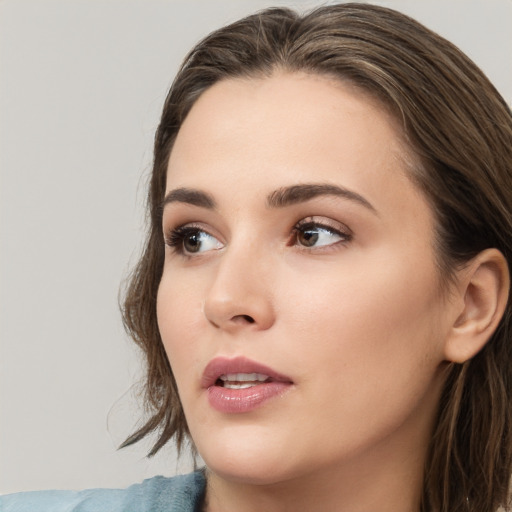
240 296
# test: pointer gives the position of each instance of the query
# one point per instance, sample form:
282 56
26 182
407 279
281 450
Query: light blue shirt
158 494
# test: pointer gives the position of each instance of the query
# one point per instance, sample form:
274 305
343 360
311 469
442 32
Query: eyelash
175 238
310 223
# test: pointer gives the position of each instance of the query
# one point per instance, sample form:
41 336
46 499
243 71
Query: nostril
244 318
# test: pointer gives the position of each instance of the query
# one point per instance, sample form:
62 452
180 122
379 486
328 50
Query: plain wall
81 88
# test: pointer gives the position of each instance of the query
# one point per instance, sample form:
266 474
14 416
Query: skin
357 322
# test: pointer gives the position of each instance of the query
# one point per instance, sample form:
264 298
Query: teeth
244 377
242 380
233 385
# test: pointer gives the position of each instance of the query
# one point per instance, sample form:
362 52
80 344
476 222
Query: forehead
290 127
287 113
241 106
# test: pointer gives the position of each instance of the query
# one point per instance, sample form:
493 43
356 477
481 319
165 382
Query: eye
311 234
191 240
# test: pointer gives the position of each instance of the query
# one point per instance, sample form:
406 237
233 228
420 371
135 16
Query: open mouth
239 373
242 380
240 385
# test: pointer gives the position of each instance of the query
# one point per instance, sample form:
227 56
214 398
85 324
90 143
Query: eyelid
171 227
326 223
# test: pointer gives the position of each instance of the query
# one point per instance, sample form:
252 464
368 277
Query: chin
261 474
242 458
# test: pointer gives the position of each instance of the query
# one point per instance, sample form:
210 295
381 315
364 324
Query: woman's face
299 304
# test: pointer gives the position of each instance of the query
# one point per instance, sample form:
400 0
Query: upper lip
223 365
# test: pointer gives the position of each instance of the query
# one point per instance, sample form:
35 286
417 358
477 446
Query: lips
239 369
241 385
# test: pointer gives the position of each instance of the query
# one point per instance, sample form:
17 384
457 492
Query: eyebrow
190 196
280 198
287 196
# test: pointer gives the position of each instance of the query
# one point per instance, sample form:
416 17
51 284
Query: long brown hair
460 130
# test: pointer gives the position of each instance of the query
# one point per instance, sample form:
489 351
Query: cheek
369 355
179 307
377 328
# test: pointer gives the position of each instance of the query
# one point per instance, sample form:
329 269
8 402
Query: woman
323 297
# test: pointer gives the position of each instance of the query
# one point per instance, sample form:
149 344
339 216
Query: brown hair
460 130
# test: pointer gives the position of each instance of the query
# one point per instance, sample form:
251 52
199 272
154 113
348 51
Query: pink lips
228 400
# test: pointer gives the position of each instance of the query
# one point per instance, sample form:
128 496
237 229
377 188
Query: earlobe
484 286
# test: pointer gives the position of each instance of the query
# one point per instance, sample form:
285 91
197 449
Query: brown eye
314 235
191 240
307 238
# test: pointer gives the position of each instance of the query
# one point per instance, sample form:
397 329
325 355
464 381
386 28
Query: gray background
81 87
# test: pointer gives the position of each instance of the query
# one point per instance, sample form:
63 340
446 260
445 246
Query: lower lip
244 400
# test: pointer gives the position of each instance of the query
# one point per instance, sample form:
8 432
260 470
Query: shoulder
182 493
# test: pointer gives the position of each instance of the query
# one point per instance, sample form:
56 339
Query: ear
483 285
